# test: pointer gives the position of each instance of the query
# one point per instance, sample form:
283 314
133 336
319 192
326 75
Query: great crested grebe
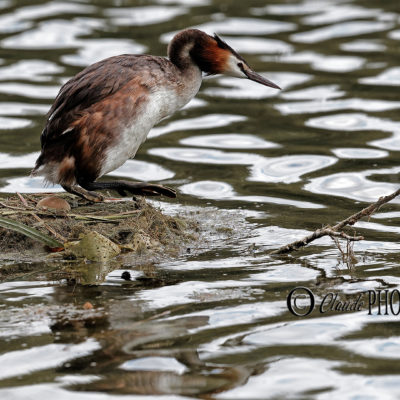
103 114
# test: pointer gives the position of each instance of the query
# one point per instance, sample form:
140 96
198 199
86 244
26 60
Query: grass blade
29 232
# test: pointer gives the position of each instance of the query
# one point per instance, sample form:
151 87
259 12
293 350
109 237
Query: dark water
274 165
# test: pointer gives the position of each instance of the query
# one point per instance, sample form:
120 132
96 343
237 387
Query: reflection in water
305 107
143 171
30 70
48 35
359 153
124 16
154 364
229 141
204 122
344 29
223 191
29 185
315 92
237 89
363 46
389 77
271 166
246 26
13 123
351 122
31 91
354 185
43 357
205 156
326 63
288 169
361 122
92 50
254 45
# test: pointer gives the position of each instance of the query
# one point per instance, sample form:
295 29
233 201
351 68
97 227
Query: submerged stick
334 231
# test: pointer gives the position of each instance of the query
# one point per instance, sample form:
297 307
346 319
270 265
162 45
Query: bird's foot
85 194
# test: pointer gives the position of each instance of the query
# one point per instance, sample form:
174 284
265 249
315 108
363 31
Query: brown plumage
102 115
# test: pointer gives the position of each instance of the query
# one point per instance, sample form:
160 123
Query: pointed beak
253 76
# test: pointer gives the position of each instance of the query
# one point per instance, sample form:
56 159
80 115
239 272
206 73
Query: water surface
270 165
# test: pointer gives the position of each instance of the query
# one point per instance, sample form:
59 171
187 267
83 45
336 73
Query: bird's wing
90 86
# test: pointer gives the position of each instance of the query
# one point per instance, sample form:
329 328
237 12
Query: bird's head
214 56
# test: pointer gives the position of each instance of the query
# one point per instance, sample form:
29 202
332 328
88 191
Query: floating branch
335 231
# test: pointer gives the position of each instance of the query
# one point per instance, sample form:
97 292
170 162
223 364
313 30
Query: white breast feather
161 104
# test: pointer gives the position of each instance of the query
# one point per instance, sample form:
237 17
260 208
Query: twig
11 207
334 231
23 201
48 227
331 232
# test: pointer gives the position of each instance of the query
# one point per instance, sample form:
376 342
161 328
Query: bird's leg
85 194
138 188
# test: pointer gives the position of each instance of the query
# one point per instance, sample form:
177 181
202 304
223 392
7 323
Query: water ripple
215 190
142 170
340 30
52 9
336 61
288 169
352 122
395 35
242 89
28 185
306 107
92 50
140 16
321 62
375 347
154 364
354 185
23 109
242 314
358 153
290 273
53 34
20 161
340 12
205 156
361 122
229 141
302 8
242 26
314 375
30 70
256 45
314 93
363 46
31 91
204 122
44 357
190 3
390 77
14 123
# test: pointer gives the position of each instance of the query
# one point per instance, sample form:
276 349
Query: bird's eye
240 65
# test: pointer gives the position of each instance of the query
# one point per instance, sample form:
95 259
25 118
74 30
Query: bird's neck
181 48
